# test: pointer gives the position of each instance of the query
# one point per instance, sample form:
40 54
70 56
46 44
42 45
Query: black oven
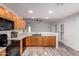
3 40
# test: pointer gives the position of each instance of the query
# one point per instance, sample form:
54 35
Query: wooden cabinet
41 41
28 41
52 41
34 41
19 23
3 53
8 15
21 47
2 11
45 41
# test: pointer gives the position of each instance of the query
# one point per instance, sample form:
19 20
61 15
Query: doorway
62 31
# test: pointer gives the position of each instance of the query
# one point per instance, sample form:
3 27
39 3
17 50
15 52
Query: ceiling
41 10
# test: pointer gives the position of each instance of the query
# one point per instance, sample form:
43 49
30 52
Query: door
62 31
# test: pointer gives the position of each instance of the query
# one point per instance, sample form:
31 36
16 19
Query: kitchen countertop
2 48
44 33
20 34
17 38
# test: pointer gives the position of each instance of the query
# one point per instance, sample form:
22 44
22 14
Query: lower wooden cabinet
33 41
45 41
28 41
41 41
52 41
3 53
22 45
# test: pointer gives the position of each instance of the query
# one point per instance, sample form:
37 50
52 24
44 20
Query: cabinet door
21 47
45 41
34 41
28 41
14 17
39 41
52 41
2 12
8 15
3 53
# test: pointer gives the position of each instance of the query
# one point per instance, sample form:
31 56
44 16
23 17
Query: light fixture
46 17
50 11
30 11
37 20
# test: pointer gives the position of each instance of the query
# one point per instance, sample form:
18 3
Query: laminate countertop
20 34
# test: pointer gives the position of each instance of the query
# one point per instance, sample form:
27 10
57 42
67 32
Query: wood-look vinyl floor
62 50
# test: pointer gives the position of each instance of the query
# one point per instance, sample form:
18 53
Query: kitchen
36 36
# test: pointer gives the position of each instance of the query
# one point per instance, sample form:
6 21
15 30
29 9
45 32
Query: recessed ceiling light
30 11
33 17
46 17
50 11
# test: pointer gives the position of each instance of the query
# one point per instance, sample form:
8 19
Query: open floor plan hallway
62 50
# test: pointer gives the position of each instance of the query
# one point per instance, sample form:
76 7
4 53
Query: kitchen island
42 39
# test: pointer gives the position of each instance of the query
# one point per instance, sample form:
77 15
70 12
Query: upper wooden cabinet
14 17
8 15
2 12
19 23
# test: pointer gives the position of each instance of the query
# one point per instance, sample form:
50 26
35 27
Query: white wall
71 31
40 27
53 28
